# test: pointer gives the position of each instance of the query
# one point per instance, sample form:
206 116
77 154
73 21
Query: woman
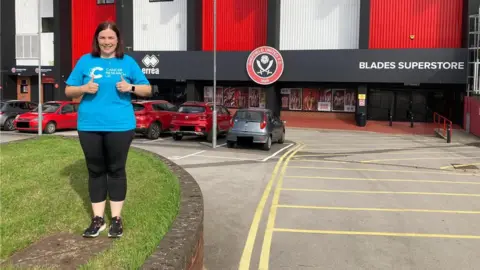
105 79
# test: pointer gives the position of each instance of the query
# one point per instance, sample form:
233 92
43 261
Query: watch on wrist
133 89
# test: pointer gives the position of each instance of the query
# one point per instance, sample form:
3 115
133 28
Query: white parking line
223 157
190 155
276 153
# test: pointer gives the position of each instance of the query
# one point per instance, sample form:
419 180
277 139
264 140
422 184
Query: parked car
257 126
56 115
196 119
10 109
153 117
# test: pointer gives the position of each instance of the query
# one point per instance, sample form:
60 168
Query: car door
166 113
157 114
67 118
271 123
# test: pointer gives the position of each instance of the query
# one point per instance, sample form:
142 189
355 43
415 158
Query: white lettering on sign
151 71
412 65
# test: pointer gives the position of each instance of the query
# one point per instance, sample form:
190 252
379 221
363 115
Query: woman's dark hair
102 26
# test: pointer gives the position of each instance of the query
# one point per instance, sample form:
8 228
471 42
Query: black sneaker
116 228
97 226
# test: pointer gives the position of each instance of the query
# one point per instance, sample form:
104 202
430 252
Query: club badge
265 65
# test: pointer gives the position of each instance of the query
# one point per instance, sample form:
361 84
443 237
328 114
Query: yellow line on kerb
425 235
267 240
382 180
378 209
458 166
382 192
249 244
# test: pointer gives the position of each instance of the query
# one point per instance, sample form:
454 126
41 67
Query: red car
195 118
153 117
56 115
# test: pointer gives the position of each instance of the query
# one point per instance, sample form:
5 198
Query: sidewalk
372 126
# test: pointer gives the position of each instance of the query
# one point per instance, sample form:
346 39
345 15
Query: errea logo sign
150 62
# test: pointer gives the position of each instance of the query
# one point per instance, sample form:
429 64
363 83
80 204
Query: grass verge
44 190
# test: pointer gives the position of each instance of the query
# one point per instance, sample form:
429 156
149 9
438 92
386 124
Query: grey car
10 109
257 126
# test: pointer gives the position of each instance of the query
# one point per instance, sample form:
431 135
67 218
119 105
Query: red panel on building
241 25
86 15
416 24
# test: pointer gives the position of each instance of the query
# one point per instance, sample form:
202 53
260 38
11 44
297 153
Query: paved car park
346 200
341 200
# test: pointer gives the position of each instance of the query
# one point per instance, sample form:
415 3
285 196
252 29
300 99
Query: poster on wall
295 99
208 94
231 97
310 97
235 97
338 100
350 100
256 97
243 99
285 93
324 103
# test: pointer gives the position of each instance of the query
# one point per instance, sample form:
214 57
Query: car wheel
268 144
282 139
177 137
230 144
9 126
50 128
154 131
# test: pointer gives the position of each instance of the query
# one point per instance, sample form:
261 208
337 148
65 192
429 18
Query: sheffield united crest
265 65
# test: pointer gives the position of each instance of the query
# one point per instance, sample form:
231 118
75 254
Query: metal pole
214 128
39 70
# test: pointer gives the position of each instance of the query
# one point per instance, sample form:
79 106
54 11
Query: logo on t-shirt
150 62
93 71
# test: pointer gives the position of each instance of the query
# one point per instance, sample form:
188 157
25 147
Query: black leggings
106 155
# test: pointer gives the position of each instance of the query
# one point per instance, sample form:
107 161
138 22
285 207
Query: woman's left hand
124 86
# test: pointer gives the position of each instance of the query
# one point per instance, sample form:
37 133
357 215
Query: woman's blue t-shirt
108 109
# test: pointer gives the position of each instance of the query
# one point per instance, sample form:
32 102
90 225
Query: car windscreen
249 116
48 108
3 106
138 107
191 109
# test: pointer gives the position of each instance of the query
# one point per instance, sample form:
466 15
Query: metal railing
443 126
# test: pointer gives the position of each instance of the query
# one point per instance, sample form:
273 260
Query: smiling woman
105 79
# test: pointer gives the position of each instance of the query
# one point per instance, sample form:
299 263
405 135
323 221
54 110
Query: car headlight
18 116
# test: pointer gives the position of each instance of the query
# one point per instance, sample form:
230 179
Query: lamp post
40 118
214 127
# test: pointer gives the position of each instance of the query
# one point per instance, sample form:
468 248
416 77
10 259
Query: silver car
257 126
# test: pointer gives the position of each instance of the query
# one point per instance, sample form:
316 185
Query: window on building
47 25
26 47
103 2
23 86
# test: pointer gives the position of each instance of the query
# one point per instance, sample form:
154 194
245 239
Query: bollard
449 133
390 118
411 120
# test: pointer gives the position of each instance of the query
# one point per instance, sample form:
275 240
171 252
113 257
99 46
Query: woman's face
107 40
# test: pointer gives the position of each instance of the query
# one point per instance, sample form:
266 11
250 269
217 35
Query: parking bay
191 151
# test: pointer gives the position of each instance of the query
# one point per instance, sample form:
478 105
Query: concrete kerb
182 246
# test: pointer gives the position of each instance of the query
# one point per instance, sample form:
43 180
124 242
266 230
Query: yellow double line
249 244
